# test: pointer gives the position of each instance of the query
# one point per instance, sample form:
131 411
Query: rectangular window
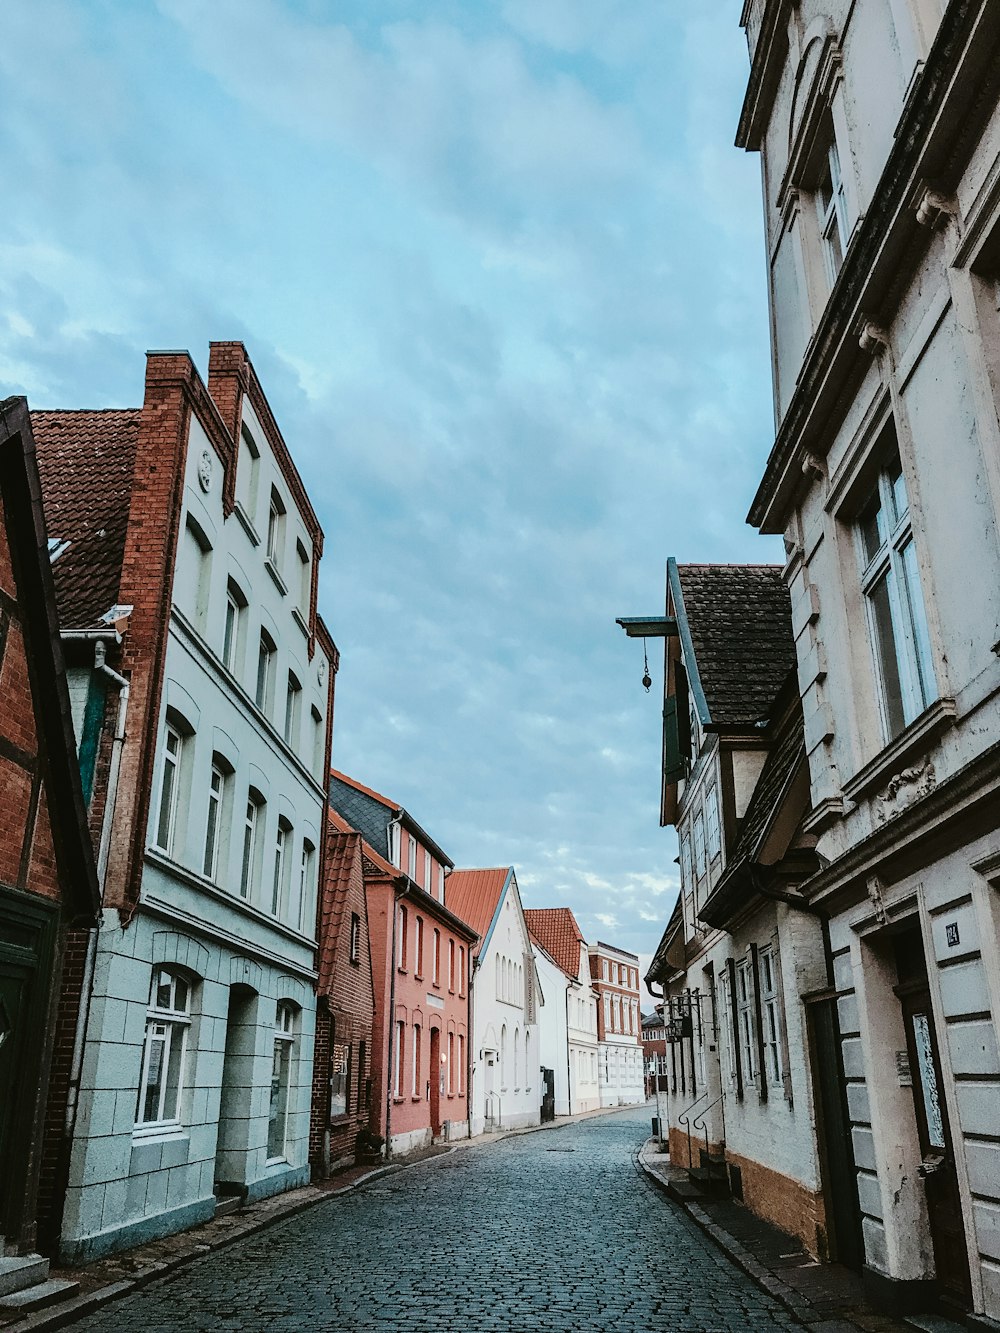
700 865
451 1064
266 656
451 964
169 785
831 204
745 1020
420 946
461 1065
231 636
307 914
427 871
355 937
340 1078
411 859
293 700
897 623
397 1082
281 1079
440 884
161 1081
249 846
213 829
401 938
769 1002
461 969
275 530
604 968
436 960
416 1060
712 828
281 841
305 580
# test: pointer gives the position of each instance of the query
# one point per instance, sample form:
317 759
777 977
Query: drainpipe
474 964
569 1074
83 1012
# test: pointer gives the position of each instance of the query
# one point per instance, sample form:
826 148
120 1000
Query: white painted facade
615 978
584 1047
553 1040
506 1074
213 980
894 407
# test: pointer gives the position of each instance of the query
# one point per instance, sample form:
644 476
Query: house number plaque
951 933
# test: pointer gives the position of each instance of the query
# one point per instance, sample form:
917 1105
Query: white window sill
164 1132
912 740
276 1161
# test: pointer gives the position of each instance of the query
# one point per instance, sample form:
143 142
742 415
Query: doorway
840 1179
236 1099
937 1167
436 1079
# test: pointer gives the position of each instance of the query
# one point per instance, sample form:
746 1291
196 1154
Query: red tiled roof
341 856
555 929
473 895
86 460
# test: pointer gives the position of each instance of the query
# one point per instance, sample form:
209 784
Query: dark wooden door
944 1203
840 1177
437 1078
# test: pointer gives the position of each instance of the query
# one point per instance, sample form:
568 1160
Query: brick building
654 1052
614 974
49 899
345 1001
186 560
420 953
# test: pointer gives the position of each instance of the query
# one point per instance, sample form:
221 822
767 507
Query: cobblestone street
552 1231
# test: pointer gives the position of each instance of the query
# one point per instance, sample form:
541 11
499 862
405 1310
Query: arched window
401 938
267 656
517 1059
281 1079
217 822
503 1056
307 902
253 826
499 976
416 1060
168 1019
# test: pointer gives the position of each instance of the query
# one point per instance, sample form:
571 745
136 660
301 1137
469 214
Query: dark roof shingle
86 462
740 622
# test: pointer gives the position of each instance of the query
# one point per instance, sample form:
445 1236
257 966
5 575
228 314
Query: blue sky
501 272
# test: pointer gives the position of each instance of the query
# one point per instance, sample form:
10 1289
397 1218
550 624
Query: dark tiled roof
364 809
473 895
86 460
555 929
739 618
784 755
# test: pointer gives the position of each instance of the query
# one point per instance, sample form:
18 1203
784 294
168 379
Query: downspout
473 969
569 1077
83 1012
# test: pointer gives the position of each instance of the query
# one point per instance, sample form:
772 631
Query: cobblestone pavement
556 1232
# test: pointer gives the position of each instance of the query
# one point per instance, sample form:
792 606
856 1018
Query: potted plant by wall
368 1146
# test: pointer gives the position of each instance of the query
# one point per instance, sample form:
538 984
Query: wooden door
833 1124
944 1203
436 1079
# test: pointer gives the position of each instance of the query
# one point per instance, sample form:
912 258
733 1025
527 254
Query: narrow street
553 1231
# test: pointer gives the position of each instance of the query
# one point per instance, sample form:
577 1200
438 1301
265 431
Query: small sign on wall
903 1069
951 933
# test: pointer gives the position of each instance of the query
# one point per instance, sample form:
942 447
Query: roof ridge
387 801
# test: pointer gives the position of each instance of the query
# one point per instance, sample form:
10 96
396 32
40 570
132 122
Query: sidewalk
828 1298
121 1274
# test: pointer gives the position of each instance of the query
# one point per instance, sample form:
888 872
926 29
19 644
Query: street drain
560 1150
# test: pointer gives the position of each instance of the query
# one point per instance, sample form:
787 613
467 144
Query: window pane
278 1114
156 1041
162 995
229 646
248 838
262 656
887 656
918 624
894 475
172 1088
872 525
180 995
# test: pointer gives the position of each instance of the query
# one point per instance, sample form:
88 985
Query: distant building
345 1002
186 556
615 977
555 931
654 1052
421 963
49 898
506 1076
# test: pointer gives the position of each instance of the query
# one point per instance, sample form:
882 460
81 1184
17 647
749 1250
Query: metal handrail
699 1122
685 1120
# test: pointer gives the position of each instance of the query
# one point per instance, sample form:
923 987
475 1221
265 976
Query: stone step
685 1191
42 1294
228 1203
20 1271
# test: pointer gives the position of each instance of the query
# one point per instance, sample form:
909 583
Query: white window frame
770 1008
745 1020
427 870
248 861
416 1061
218 779
276 530
401 940
170 782
282 838
305 885
713 829
167 1025
282 1068
889 568
411 857
832 214
436 957
293 705
267 653
231 633
397 1081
